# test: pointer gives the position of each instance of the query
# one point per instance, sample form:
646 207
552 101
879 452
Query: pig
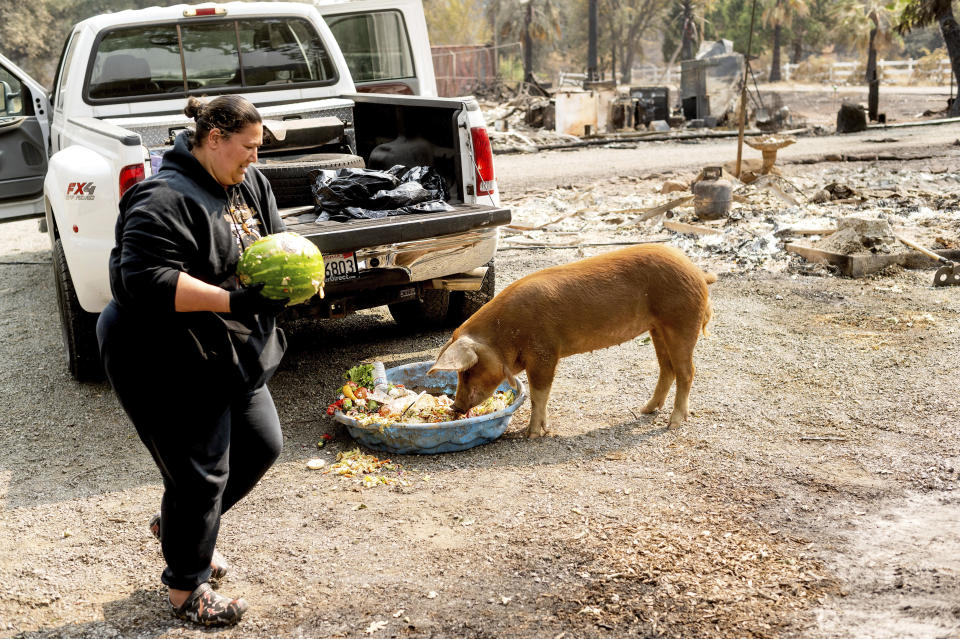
573 308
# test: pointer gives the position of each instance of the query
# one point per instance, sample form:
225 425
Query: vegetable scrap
362 375
368 470
358 398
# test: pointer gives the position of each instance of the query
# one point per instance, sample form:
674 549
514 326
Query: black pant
212 443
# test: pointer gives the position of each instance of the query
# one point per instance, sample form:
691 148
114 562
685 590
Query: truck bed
334 237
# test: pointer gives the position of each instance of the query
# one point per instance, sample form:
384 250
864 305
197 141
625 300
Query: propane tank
712 194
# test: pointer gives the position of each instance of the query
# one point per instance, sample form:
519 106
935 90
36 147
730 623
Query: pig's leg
665 381
541 380
680 343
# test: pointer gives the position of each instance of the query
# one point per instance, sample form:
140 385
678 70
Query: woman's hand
250 301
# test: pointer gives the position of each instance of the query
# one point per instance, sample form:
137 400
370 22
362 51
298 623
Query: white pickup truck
121 84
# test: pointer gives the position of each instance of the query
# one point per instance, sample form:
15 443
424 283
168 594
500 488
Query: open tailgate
335 237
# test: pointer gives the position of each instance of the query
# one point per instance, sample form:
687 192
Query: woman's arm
195 295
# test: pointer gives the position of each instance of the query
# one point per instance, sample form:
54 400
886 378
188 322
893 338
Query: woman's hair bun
195 108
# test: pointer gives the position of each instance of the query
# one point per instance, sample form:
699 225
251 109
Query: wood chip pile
719 577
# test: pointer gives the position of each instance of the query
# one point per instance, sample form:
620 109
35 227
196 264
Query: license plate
340 266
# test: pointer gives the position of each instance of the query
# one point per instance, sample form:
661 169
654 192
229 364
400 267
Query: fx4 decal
81 190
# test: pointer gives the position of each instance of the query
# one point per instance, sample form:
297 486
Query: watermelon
288 264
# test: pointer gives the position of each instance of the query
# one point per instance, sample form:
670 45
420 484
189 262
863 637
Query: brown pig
578 307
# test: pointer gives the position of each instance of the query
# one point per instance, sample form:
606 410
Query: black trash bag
353 193
428 178
432 206
335 189
417 184
356 213
407 194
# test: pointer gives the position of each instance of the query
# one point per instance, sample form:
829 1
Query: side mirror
10 98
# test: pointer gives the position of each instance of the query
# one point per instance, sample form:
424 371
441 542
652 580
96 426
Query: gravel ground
811 493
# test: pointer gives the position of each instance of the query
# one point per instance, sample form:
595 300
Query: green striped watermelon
289 265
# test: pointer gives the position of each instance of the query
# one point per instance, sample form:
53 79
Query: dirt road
812 493
517 172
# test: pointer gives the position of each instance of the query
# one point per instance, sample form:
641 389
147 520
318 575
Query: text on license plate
340 266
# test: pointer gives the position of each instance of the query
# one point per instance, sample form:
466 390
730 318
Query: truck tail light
486 181
130 175
196 12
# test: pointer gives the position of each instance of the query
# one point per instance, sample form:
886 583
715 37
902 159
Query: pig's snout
467 397
461 403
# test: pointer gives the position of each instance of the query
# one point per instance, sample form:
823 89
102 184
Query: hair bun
195 108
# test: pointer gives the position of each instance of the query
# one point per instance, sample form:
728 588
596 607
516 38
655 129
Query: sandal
218 564
209 608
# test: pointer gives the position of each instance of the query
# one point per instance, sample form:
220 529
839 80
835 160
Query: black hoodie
174 221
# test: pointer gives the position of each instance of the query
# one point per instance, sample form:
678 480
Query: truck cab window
136 62
375 45
210 54
146 60
282 51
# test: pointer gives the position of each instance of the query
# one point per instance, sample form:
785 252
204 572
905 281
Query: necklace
240 215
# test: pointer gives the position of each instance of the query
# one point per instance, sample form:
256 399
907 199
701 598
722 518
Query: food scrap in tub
395 404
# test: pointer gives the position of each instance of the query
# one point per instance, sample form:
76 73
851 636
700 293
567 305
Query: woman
187 350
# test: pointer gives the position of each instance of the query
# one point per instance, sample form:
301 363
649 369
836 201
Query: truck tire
291 181
79 327
432 311
463 304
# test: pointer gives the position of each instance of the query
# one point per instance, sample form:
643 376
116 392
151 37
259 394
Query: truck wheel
463 304
78 326
430 312
290 181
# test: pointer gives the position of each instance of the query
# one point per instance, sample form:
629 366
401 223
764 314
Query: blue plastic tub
427 439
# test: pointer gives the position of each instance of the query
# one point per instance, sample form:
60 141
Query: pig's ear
442 349
510 378
458 355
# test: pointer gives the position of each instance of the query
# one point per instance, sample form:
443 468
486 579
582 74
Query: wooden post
743 90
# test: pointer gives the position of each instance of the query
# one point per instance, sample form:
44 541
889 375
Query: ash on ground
920 203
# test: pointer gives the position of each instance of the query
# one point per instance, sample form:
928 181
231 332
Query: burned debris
824 219
538 117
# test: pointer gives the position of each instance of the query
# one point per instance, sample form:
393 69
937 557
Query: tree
681 34
454 22
873 80
780 15
32 34
528 21
866 24
689 35
25 36
627 22
811 31
920 13
730 19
